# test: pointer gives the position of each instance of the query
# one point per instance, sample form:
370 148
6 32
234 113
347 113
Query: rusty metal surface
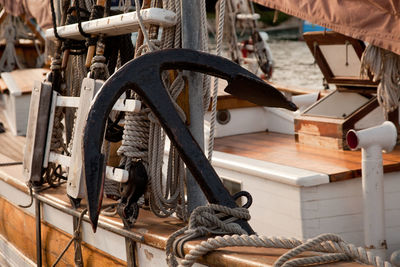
143 76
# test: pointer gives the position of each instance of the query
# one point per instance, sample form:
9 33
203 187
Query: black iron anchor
143 75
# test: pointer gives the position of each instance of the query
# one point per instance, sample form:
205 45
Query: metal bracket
37 131
89 88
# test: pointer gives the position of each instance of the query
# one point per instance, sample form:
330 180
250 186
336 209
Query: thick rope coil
331 244
98 68
210 219
385 66
135 138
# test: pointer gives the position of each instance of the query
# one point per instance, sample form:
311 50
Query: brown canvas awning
39 9
373 21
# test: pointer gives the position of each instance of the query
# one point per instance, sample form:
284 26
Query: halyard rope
220 34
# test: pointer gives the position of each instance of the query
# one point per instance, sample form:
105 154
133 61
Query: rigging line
53 18
143 28
78 15
220 35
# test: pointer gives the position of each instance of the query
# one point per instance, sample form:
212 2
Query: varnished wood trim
18 228
320 128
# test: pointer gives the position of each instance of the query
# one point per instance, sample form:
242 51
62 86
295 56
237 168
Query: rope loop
333 249
204 220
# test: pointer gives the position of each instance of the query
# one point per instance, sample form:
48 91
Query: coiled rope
385 66
207 219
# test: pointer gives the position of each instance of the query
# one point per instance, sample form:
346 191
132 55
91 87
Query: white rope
220 33
385 66
208 219
143 28
332 244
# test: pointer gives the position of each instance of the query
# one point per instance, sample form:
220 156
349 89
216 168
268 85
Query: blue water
310 27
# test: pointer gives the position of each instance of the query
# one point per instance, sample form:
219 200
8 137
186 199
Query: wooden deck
282 149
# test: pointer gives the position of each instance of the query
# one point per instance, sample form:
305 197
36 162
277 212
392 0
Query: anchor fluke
258 92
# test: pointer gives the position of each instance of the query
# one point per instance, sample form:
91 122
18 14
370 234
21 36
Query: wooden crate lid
339 58
20 82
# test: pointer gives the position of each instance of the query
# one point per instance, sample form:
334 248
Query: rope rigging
207 219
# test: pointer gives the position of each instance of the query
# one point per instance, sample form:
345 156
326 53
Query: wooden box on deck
339 58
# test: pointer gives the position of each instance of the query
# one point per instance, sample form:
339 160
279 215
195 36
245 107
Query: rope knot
204 220
55 63
98 68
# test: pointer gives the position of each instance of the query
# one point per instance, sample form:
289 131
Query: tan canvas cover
38 9
373 21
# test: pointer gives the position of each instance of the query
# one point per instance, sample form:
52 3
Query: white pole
373 200
372 141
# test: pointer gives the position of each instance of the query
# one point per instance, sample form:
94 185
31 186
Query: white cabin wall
337 208
255 119
276 206
243 120
304 210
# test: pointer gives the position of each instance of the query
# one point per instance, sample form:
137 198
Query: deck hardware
143 76
115 25
43 104
131 191
37 131
223 116
246 195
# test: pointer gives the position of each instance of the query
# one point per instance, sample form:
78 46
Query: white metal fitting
384 135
